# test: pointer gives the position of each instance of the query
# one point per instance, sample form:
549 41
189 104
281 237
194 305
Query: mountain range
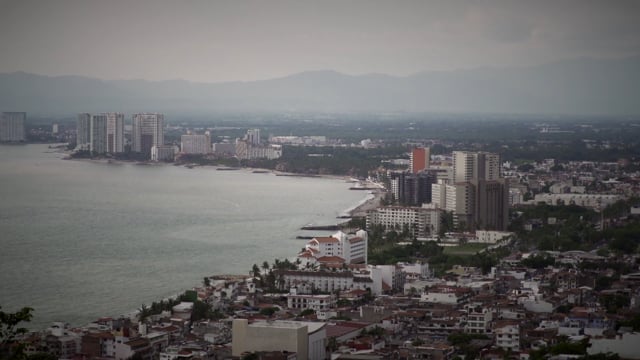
583 86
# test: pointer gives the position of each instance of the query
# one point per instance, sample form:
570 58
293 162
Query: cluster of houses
343 310
330 303
584 183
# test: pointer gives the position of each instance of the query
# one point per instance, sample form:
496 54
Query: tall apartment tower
253 136
98 134
195 144
83 131
481 191
12 126
147 132
412 189
491 210
115 132
419 159
468 166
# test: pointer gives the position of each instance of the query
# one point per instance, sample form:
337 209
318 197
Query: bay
84 239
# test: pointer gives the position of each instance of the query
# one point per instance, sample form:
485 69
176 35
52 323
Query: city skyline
244 41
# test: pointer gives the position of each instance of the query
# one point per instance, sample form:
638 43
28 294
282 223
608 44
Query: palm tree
143 313
255 270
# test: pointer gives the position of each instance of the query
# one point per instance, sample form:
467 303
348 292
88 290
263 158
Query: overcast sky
210 41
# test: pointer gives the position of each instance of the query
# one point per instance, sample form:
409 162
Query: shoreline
371 202
361 201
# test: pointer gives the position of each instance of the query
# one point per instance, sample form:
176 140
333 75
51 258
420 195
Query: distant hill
580 86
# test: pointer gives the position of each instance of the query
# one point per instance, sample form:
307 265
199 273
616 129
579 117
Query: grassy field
466 249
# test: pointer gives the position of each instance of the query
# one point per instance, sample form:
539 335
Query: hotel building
419 160
421 222
147 132
12 126
195 144
115 132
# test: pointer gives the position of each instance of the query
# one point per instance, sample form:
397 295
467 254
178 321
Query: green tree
10 329
306 312
144 312
255 270
268 311
42 356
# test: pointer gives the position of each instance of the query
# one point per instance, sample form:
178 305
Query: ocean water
81 239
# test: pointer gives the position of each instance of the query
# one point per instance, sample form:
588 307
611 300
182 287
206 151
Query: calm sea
80 239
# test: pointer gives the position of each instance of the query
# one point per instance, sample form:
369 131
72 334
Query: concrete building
478 196
306 339
469 166
507 334
299 140
253 137
140 347
593 201
391 276
351 248
98 134
324 281
245 150
412 189
195 144
422 222
479 319
491 237
115 132
625 345
447 295
83 131
228 149
12 126
320 302
163 152
355 248
98 344
419 160
147 132
456 198
491 204
416 270
63 346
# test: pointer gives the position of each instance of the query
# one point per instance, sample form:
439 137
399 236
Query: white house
447 295
350 247
507 334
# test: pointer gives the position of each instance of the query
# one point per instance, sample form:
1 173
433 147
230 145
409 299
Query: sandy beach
371 203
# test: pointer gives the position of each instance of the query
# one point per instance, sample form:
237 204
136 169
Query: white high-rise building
246 151
163 152
469 166
195 144
115 132
421 222
253 136
98 134
83 131
147 132
12 126
481 193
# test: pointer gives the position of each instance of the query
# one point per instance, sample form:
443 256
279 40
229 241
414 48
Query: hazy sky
247 40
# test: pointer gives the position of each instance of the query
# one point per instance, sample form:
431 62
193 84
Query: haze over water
80 239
